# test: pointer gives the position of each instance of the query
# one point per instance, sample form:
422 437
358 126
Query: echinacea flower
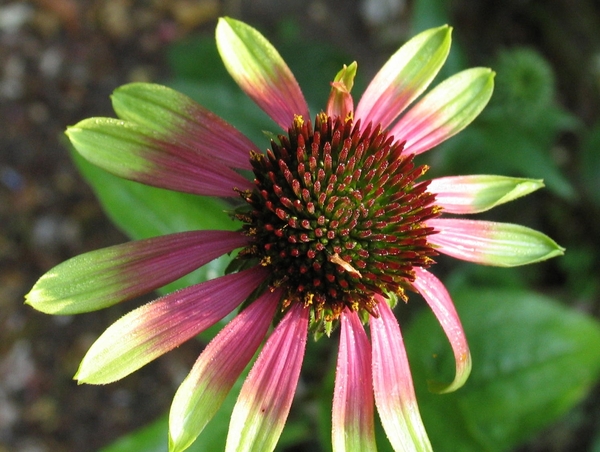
336 227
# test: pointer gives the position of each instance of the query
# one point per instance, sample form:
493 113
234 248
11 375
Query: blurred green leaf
499 146
151 438
467 274
590 165
200 73
154 437
428 14
580 265
197 58
533 360
434 13
324 62
232 105
141 211
516 134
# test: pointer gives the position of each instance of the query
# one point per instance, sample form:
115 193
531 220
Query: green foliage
142 211
434 13
154 438
525 85
590 165
532 362
516 134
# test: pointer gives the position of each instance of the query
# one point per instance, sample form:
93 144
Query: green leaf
532 361
497 144
154 437
232 105
590 165
197 58
141 211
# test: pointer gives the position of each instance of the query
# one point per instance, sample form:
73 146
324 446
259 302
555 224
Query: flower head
337 224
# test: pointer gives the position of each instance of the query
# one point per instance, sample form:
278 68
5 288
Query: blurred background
61 59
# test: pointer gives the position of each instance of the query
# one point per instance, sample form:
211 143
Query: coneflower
338 224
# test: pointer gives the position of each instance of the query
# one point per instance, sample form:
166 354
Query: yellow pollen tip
256 156
402 295
308 299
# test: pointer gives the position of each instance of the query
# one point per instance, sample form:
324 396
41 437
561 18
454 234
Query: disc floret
337 215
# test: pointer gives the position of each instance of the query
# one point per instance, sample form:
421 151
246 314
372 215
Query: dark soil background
60 60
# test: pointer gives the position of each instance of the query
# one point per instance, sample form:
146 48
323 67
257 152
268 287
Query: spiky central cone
337 217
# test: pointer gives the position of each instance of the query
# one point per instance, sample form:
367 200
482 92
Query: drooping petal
392 381
490 243
340 102
438 299
217 369
259 70
101 278
266 396
474 194
404 77
353 426
138 153
161 325
177 118
446 110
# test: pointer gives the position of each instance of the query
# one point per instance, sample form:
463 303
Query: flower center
337 217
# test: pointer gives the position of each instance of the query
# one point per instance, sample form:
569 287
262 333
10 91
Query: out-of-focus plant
517 134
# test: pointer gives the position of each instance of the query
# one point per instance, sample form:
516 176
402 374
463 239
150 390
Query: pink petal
266 397
104 277
436 295
445 111
450 195
177 116
394 392
210 134
404 77
217 369
478 193
353 423
139 153
176 167
157 327
259 70
491 243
